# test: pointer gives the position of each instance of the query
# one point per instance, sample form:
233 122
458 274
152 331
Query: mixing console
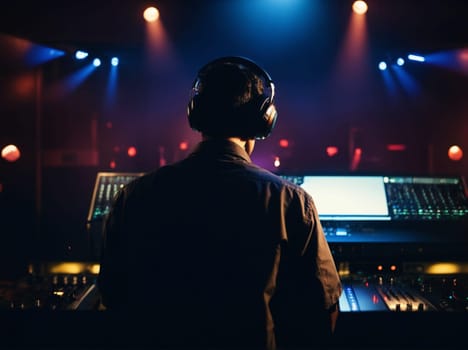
62 290
406 292
368 297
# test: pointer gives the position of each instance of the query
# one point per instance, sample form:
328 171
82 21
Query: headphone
254 119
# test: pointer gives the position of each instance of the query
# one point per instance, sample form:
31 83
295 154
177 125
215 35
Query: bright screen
348 197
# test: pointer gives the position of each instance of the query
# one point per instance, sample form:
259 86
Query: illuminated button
341 232
351 299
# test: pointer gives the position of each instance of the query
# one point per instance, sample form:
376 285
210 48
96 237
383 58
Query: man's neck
247 145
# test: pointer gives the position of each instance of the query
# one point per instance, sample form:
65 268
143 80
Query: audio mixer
53 286
405 293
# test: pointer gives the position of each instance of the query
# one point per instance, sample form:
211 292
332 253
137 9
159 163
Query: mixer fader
401 299
406 292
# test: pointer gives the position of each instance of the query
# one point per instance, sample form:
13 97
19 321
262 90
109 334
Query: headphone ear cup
261 118
194 114
270 115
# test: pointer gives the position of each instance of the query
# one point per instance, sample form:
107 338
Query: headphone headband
240 61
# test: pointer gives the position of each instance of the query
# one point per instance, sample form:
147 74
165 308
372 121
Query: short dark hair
228 86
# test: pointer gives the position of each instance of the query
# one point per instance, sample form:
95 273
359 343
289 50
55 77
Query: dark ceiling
393 24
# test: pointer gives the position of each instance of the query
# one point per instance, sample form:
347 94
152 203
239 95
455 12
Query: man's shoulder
278 180
147 180
155 175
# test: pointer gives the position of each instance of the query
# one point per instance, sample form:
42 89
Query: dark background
67 136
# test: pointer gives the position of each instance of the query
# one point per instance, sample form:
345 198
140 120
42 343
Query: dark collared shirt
219 252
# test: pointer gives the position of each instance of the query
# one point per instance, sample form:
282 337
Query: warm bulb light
360 7
455 153
277 162
151 14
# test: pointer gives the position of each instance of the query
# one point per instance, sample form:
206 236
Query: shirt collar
221 148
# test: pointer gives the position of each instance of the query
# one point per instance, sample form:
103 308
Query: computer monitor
106 186
357 208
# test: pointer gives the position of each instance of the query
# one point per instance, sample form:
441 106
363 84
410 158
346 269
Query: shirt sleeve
308 283
113 267
309 255
325 263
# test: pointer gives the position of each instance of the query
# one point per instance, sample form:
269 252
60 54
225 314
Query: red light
132 151
284 143
396 147
332 151
109 125
112 164
183 146
11 153
375 299
356 158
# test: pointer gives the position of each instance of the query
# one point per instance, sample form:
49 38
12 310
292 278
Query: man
214 250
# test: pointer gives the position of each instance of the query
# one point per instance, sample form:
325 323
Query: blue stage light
417 58
96 62
382 65
115 61
400 61
79 55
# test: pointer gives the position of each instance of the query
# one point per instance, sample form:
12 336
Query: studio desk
409 305
400 245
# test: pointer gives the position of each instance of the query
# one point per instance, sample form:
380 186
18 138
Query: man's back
217 249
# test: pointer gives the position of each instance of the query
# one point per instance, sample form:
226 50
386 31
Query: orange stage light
455 153
151 14
360 7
